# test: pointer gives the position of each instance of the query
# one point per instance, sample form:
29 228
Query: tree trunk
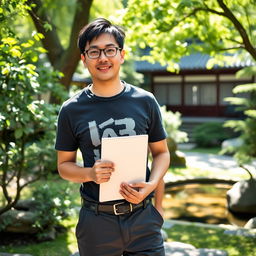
64 60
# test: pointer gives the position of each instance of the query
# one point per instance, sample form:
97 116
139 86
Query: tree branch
247 43
51 41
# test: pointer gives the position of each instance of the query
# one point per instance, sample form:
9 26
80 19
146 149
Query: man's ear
122 53
83 60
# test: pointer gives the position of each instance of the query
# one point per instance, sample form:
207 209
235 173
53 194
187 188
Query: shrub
211 134
27 122
246 152
51 208
172 122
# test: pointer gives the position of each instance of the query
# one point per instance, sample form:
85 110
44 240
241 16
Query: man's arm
159 195
135 193
69 170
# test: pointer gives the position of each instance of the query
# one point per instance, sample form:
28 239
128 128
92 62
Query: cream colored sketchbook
129 154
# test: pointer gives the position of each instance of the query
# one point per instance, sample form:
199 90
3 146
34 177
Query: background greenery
38 39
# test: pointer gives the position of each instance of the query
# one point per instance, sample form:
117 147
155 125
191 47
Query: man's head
95 29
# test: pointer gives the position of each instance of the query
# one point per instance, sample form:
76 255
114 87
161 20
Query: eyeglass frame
103 50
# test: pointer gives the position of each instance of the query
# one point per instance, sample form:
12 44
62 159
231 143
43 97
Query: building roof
195 61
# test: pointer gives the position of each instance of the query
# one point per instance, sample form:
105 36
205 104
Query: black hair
95 29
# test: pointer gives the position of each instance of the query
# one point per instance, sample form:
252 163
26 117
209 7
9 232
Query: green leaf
244 88
18 133
5 71
15 51
37 36
47 27
9 40
251 113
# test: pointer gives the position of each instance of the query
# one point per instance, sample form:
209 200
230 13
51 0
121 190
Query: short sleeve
156 129
65 138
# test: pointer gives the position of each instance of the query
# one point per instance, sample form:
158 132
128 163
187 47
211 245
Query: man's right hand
102 171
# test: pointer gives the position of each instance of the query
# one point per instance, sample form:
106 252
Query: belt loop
144 203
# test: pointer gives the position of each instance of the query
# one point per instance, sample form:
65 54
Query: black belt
115 209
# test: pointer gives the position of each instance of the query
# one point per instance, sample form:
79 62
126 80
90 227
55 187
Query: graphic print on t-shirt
124 127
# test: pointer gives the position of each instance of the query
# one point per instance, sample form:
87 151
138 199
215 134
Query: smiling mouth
104 68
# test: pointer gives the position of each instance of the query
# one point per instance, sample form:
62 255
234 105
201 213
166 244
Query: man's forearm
160 165
72 172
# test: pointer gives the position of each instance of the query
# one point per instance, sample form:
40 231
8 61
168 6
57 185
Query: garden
38 63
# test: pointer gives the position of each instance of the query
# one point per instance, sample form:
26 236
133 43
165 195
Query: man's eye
110 50
93 52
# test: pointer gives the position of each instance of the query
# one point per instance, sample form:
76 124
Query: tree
173 29
245 152
27 123
225 30
62 59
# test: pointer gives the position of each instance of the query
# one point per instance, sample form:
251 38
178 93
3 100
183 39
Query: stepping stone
181 249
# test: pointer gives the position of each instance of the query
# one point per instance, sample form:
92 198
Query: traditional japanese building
195 91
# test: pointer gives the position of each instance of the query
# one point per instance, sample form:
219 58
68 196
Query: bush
51 208
172 122
246 152
211 134
27 122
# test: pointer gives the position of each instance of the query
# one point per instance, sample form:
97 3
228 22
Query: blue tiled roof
192 62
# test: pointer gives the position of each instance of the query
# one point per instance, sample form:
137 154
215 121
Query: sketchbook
129 154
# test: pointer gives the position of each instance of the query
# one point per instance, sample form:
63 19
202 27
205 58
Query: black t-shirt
85 118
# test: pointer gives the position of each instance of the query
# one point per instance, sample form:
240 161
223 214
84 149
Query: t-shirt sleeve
156 129
65 138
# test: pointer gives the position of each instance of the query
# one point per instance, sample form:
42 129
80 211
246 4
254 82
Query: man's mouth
103 68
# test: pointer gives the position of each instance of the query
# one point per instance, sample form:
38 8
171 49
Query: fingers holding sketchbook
136 192
102 171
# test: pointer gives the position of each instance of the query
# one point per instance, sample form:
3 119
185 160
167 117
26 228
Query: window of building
161 93
168 94
200 94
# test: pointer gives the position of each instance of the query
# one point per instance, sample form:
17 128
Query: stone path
219 166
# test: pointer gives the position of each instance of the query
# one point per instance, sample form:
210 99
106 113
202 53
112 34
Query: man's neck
106 89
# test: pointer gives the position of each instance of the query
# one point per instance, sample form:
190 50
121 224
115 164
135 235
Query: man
106 108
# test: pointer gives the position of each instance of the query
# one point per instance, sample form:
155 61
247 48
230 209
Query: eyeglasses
95 53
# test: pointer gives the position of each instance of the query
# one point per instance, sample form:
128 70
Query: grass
202 237
212 150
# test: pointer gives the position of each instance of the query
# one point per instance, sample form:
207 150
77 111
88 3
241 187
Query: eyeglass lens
95 53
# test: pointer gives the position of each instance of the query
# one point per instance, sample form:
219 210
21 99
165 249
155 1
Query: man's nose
102 55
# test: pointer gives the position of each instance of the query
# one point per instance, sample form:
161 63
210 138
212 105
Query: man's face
103 68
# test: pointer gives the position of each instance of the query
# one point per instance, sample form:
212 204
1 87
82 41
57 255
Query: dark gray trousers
137 233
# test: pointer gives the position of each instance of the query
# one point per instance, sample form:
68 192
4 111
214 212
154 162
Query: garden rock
19 221
26 205
251 224
231 143
181 249
241 197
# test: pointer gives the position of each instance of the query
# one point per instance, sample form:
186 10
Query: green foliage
210 134
203 237
51 207
172 122
176 28
247 127
27 122
129 75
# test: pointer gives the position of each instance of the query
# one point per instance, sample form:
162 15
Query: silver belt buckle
120 213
